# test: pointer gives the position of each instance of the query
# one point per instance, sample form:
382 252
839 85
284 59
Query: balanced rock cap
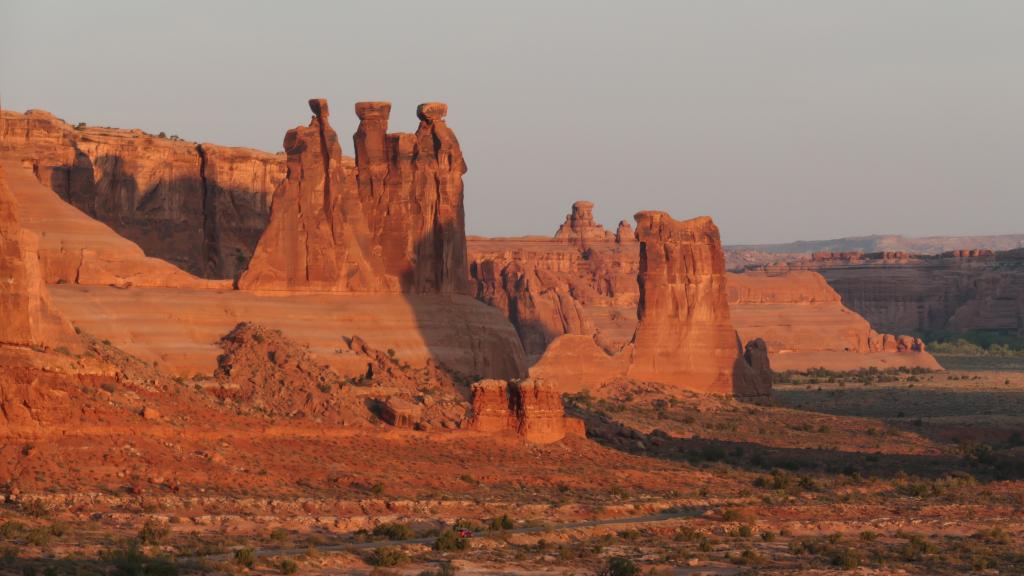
432 111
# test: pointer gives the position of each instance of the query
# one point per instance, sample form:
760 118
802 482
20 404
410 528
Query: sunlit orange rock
318 239
685 335
27 316
529 408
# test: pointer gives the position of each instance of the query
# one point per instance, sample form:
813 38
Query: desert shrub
245 557
11 529
393 531
387 557
502 522
915 548
35 507
278 534
744 531
449 541
287 566
845 558
748 558
153 532
868 536
620 566
687 534
38 536
131 562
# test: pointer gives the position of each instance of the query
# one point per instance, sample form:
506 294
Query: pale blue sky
783 120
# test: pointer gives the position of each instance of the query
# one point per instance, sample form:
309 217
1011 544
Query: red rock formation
685 335
76 249
580 227
530 408
411 186
27 316
624 233
537 303
318 239
574 363
199 206
958 291
806 325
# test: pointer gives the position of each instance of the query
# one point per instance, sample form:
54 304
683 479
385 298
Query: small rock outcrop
685 336
262 371
624 233
530 408
27 316
580 226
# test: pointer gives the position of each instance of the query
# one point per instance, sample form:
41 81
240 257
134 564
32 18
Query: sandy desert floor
918 475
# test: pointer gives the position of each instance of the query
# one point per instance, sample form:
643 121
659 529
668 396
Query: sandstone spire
685 336
317 238
411 187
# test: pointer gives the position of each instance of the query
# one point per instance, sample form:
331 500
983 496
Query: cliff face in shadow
201 207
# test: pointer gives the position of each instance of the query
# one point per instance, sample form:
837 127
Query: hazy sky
783 120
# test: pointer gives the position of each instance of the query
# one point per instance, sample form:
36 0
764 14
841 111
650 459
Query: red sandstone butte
318 239
529 408
27 316
685 336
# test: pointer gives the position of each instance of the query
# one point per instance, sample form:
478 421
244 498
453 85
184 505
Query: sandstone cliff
27 316
201 207
529 408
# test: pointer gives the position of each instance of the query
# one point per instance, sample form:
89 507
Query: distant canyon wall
957 291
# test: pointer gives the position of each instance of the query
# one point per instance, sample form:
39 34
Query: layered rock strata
392 220
529 408
201 207
685 336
